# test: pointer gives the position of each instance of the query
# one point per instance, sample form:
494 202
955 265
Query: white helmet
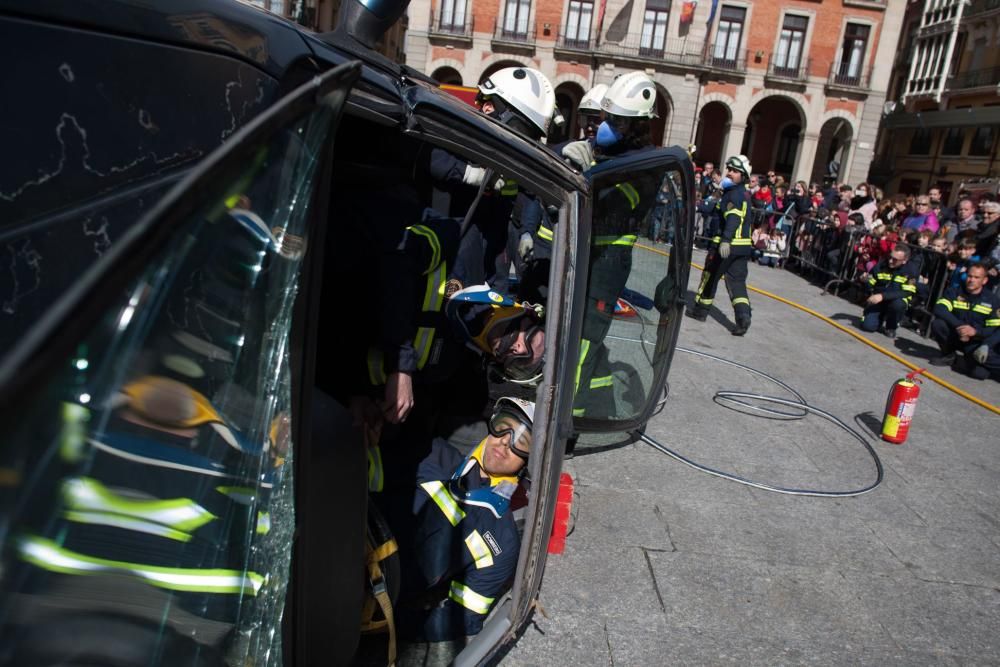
740 163
527 90
632 95
592 98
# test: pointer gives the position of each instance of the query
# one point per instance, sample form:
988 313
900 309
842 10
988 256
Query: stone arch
571 77
442 63
798 100
714 119
721 98
837 133
660 126
447 75
568 96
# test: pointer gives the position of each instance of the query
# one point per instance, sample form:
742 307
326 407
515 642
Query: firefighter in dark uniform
893 283
458 541
523 99
730 251
967 318
620 210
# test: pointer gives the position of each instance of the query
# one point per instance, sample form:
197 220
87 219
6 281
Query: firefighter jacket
171 504
465 539
892 284
411 320
982 311
734 206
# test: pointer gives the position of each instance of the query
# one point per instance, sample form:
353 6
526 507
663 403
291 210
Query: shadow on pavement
869 423
913 348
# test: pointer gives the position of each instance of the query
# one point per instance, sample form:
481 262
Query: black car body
126 255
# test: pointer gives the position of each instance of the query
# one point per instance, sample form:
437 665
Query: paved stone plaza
668 565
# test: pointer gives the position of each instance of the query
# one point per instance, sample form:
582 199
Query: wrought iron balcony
736 64
565 43
518 36
979 78
841 76
645 47
449 29
797 72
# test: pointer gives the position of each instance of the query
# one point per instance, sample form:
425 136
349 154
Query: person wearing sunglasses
457 537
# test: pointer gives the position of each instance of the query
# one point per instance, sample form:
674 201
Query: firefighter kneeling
457 537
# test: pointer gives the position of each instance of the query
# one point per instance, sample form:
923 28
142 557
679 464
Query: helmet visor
509 424
521 352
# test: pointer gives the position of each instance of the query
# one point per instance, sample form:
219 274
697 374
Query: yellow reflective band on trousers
597 383
627 239
375 474
443 499
741 299
432 240
545 233
469 599
584 349
89 501
49 556
481 554
376 367
630 193
433 300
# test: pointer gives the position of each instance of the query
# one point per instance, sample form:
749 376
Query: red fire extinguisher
900 407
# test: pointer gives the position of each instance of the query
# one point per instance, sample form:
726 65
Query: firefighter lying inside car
457 537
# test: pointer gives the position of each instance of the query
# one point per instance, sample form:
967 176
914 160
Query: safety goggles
507 422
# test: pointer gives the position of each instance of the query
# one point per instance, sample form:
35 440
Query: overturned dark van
181 481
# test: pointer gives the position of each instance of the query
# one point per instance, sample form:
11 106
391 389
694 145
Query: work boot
943 360
890 333
697 313
742 326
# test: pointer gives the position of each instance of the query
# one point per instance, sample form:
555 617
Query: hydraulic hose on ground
741 399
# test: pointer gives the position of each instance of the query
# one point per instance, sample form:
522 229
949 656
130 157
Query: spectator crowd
915 261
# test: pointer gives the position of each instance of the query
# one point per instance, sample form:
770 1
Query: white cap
526 408
740 163
632 95
526 90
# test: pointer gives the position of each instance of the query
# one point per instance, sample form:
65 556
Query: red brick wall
719 87
850 106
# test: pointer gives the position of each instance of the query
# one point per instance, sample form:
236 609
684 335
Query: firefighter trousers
734 268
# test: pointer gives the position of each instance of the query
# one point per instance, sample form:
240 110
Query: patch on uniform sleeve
481 555
494 546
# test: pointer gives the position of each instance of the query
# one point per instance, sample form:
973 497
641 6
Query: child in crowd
774 247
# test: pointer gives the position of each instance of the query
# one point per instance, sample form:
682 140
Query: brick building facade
798 85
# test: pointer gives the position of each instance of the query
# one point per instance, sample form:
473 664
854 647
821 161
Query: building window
852 54
515 18
791 45
920 142
982 141
578 22
653 40
453 15
954 138
729 36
